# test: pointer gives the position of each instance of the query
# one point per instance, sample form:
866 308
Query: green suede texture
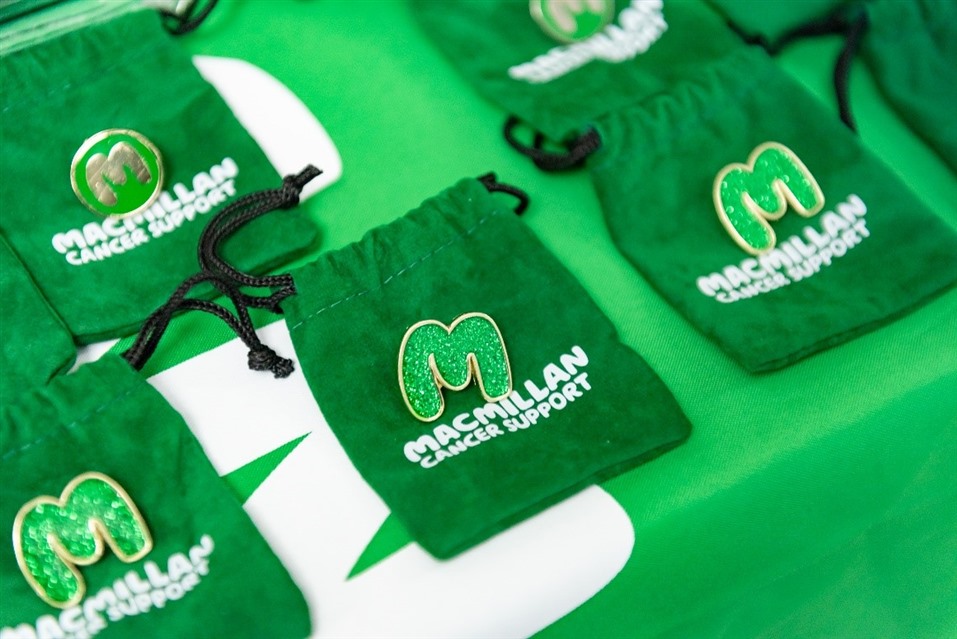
105 418
465 251
911 48
36 343
126 73
654 177
484 40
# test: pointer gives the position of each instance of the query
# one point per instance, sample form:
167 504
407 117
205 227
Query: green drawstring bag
911 48
623 51
696 179
95 123
763 220
36 344
468 376
116 525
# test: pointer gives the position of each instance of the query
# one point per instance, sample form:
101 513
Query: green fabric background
126 73
106 418
462 252
817 501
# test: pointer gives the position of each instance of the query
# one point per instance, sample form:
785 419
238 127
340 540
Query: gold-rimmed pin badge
52 536
117 172
747 195
434 356
569 21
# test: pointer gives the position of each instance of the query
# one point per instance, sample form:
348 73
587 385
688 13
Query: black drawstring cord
856 29
236 215
578 149
178 24
851 22
261 357
490 182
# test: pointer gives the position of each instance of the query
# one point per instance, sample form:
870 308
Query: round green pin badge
117 172
572 20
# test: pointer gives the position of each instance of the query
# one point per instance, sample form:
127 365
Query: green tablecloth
817 501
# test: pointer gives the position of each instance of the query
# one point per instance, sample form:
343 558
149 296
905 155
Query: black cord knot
490 182
577 149
263 358
292 186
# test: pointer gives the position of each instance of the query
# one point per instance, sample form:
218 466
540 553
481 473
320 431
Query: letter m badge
746 196
433 356
51 537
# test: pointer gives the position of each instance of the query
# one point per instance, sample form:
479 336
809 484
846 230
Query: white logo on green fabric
639 25
154 585
117 172
793 259
183 203
572 20
747 196
561 385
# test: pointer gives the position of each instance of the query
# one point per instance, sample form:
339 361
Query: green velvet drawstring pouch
558 82
763 220
911 48
36 344
468 376
98 121
114 524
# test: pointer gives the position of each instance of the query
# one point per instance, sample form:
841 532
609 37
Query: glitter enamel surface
51 536
747 195
433 355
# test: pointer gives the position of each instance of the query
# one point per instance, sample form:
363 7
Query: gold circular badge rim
535 9
99 137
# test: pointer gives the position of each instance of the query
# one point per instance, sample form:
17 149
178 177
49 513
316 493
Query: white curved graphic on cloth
319 515
286 130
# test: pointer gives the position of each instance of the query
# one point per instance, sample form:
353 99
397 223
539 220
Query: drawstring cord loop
578 148
237 215
852 23
490 182
260 358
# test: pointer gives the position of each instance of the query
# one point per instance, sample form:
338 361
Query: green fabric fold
911 48
36 344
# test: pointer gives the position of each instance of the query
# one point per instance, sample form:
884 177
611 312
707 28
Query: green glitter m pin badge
51 536
435 356
746 196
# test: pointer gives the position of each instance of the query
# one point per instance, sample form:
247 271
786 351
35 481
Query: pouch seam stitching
70 426
409 267
83 78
